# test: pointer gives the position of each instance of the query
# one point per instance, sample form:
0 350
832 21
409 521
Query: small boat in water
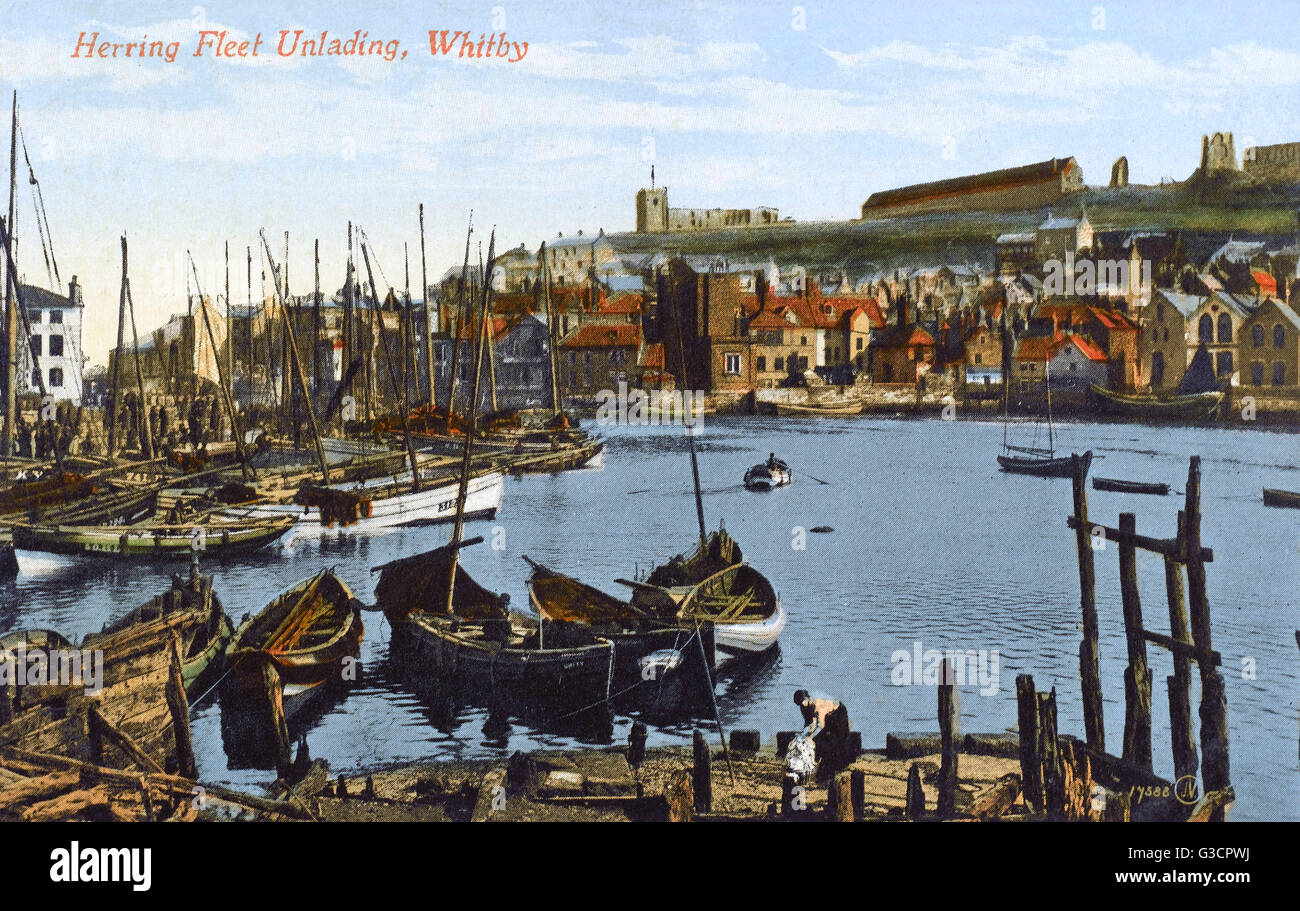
1041 463
554 673
767 475
827 410
1285 498
1116 485
304 636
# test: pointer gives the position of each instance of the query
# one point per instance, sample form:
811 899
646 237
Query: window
859 343
36 345
760 364
36 379
733 364
1223 363
56 377
979 358
617 356
1158 369
1160 311
779 364
1257 336
803 362
803 340
1279 336
1225 327
1166 335
1257 373
1205 329
56 346
1279 373
56 316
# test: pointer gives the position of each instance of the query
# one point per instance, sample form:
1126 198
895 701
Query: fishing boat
40 547
375 505
767 475
661 664
1117 485
1203 406
1284 498
194 614
304 636
552 672
1040 462
715 586
828 410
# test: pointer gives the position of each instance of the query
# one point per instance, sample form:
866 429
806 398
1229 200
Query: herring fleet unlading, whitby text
453 44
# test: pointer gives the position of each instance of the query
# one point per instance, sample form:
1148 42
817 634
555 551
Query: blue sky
735 104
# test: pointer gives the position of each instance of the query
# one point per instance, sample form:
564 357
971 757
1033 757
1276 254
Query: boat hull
1116 485
848 409
1043 468
734 640
1283 498
42 548
1203 406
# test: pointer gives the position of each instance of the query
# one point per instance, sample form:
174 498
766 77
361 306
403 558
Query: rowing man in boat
827 723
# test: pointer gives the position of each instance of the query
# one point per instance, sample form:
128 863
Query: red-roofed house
902 354
1266 283
598 357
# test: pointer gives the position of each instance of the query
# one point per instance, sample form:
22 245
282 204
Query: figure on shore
826 722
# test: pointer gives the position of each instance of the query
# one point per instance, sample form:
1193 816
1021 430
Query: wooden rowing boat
1203 406
1285 498
662 666
830 410
1043 466
768 475
1117 485
557 674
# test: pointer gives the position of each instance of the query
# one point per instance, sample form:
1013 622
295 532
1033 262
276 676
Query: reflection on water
931 544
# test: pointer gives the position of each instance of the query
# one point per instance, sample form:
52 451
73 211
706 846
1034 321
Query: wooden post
1180 700
679 797
859 785
179 706
914 804
278 728
1137 676
1031 768
1089 660
702 773
839 798
947 804
1050 754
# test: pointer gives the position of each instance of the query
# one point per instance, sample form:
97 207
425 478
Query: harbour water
932 547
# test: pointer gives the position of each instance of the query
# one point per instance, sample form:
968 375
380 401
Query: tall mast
459 321
146 435
244 466
11 316
315 344
487 337
690 436
462 491
1047 376
552 334
118 354
248 328
292 347
230 337
349 345
428 320
411 384
403 410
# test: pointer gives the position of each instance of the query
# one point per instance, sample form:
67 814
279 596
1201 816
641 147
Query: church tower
652 208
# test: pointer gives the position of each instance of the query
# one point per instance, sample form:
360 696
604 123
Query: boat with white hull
387 510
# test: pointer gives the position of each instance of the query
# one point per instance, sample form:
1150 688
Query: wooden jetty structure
1189 640
1284 498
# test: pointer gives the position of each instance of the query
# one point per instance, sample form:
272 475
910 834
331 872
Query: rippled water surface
931 544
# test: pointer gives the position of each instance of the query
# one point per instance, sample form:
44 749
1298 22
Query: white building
55 323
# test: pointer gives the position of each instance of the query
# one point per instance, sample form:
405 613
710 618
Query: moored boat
767 475
1044 465
1285 498
1117 485
827 410
1202 406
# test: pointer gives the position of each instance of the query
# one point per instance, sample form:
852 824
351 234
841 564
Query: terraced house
1269 346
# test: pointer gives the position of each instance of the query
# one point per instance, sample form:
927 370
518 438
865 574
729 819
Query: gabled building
1166 341
55 323
1269 346
599 357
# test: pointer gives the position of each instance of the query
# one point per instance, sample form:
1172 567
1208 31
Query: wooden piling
914 804
680 797
1089 651
1214 707
277 727
179 706
1180 700
702 773
839 798
859 793
1137 676
947 804
1031 768
1049 752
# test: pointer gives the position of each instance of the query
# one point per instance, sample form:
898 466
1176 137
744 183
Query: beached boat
1203 406
828 410
554 673
304 636
376 505
1286 498
767 475
1116 485
42 547
195 615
